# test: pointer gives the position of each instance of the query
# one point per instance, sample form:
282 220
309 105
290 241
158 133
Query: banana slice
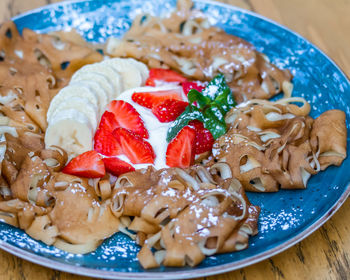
80 104
74 112
76 89
142 67
94 86
109 72
70 130
101 79
131 75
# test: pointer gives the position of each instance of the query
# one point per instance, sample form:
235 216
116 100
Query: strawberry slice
116 166
88 164
108 122
106 144
164 75
180 151
127 117
204 139
150 99
134 147
169 109
197 85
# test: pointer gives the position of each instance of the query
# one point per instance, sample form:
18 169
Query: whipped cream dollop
157 130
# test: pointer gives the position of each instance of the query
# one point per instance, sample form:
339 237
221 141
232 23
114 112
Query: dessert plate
286 217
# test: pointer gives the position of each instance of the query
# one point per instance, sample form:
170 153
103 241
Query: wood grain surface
326 253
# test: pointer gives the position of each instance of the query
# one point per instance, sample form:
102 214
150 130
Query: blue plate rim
196 272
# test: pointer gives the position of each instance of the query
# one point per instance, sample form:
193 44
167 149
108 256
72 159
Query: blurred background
326 23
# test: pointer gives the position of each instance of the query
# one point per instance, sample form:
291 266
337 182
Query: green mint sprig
209 107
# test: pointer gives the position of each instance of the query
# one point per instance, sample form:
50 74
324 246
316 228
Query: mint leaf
212 105
191 113
214 121
195 95
225 100
216 87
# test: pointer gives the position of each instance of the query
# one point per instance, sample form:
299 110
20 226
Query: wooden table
326 253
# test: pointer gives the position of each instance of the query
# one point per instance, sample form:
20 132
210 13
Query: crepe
273 145
186 42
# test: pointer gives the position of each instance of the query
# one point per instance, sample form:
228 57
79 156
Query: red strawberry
150 99
187 86
108 122
106 144
116 166
88 164
204 139
127 117
134 147
165 75
180 151
169 109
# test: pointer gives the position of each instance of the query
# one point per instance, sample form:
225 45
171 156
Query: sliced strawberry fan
204 140
116 166
197 85
134 147
108 122
169 110
88 164
106 144
163 75
180 151
153 98
127 117
121 131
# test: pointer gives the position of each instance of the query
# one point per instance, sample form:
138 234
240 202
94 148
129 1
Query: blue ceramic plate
286 217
